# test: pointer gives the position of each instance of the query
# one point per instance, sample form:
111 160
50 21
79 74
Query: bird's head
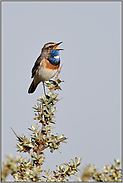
51 49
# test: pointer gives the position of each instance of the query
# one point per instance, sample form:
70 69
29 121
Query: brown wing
35 67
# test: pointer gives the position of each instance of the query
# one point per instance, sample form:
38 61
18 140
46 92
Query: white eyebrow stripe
57 57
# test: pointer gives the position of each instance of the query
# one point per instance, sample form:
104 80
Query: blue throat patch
51 59
54 52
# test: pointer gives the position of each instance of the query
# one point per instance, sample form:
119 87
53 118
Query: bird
46 65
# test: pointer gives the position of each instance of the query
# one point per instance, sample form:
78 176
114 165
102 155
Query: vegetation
41 138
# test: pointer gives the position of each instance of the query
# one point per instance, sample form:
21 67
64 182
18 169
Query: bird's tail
32 87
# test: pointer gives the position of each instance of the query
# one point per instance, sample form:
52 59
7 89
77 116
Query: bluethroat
46 65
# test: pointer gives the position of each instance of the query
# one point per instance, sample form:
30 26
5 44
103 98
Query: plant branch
56 79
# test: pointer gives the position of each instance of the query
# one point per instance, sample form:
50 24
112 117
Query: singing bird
46 65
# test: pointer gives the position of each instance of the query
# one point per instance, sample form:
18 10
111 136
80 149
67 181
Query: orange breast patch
48 65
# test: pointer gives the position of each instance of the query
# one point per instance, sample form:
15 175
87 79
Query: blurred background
89 114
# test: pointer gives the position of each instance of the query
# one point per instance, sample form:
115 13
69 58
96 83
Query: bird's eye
50 46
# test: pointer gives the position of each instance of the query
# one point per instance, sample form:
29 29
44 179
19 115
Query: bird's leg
44 87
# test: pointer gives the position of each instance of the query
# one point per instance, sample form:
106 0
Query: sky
89 114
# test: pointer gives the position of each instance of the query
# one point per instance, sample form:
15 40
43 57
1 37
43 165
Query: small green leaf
46 173
66 168
61 166
76 160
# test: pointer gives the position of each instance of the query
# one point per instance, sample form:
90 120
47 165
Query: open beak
55 47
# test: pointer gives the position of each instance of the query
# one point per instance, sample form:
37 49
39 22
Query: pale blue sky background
90 112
